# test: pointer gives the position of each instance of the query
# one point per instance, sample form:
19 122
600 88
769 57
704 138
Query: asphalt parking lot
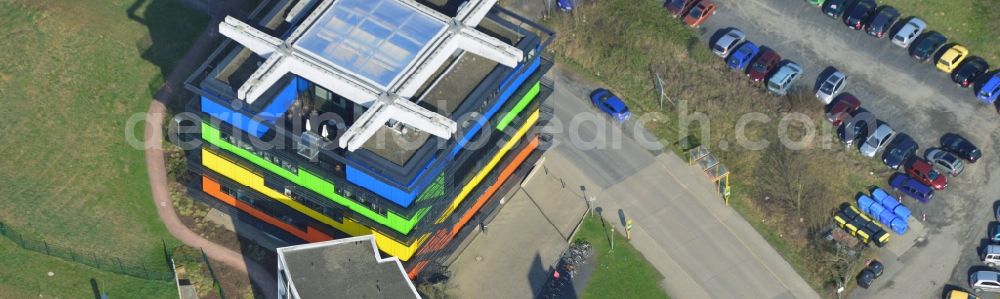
913 98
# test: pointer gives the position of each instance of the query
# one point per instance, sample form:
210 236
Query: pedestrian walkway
514 258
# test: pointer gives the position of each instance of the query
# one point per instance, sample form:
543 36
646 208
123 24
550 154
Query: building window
274 184
266 156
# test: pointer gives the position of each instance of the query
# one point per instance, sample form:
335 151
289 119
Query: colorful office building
405 120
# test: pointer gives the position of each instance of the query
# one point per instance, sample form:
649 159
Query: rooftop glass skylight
373 39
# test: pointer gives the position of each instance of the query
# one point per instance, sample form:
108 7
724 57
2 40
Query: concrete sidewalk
522 245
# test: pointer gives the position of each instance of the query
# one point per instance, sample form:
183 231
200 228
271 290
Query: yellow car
952 57
956 294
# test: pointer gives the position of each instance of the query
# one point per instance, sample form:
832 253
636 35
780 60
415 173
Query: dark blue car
911 187
743 55
610 104
899 150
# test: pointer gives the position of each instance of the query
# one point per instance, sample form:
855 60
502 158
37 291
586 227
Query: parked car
834 8
909 32
763 65
993 232
565 5
877 140
727 42
951 58
610 103
901 149
860 12
911 187
960 294
960 146
743 55
883 20
782 79
991 254
990 90
833 84
856 127
842 108
873 270
969 71
699 13
925 173
988 281
945 161
816 2
678 8
927 45
997 212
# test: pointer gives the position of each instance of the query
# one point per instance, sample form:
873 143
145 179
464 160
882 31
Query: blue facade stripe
236 119
281 102
269 114
496 106
391 193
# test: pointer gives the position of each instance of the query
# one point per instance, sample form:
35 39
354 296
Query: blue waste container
865 203
899 226
903 212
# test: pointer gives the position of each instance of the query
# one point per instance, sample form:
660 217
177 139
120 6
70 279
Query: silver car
784 78
877 140
945 161
909 32
985 281
728 42
831 87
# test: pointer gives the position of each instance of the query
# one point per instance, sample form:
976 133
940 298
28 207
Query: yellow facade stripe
247 178
530 122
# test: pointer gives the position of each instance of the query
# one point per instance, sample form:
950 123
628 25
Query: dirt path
156 166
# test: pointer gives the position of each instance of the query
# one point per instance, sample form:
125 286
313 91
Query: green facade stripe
509 117
313 182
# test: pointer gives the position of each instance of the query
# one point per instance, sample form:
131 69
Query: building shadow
551 282
173 26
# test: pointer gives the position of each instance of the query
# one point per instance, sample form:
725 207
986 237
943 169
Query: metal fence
139 269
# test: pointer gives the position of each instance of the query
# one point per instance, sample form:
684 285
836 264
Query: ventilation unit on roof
309 145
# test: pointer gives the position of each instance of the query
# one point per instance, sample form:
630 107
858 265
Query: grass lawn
973 23
623 273
781 192
71 75
25 275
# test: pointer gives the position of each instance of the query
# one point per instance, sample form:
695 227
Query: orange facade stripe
504 175
442 238
416 270
215 190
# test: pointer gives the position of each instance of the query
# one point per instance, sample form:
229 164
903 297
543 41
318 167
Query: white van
991 256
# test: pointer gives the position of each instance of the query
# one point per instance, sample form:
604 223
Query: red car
699 13
842 109
925 173
765 63
678 8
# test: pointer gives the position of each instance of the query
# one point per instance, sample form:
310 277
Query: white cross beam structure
384 104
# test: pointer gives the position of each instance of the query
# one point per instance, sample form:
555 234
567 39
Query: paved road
703 248
912 97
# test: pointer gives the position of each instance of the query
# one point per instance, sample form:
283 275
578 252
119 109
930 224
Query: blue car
911 187
565 5
610 104
899 151
990 90
743 55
